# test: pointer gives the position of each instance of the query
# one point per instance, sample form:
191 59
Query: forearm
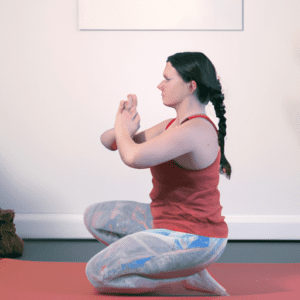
126 146
108 139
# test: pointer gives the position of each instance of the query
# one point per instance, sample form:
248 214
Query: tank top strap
170 124
196 116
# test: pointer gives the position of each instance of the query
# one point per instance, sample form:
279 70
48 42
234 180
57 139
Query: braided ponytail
217 99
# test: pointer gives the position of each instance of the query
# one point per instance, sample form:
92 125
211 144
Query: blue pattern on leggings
135 264
184 240
181 240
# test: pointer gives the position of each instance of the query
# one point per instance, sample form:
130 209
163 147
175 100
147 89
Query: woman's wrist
125 143
108 139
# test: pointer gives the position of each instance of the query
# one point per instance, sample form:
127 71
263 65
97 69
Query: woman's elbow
133 162
129 161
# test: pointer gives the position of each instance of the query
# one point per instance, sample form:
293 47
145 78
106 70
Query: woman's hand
127 117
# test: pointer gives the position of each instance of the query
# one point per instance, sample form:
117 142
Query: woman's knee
98 215
93 274
220 245
89 215
119 217
102 267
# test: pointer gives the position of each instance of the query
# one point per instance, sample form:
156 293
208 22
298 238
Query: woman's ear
193 86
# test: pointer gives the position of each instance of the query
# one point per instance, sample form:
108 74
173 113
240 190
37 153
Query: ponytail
217 99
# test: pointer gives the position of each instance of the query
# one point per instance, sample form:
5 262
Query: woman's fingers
128 103
134 99
131 102
121 106
133 109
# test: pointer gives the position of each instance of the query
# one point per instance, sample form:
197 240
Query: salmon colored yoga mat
34 280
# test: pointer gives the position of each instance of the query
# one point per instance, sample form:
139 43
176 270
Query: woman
171 242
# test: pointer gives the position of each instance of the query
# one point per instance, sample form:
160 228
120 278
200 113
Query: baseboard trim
71 226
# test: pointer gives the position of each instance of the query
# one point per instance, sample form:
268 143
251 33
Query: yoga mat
35 280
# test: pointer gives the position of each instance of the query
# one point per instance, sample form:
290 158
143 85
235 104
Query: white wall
60 88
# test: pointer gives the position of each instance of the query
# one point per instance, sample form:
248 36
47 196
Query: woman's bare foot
204 282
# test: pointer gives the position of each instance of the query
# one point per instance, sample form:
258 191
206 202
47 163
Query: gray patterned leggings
140 259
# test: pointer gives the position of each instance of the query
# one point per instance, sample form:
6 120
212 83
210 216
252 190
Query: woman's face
174 89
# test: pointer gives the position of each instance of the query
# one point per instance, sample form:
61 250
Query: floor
237 251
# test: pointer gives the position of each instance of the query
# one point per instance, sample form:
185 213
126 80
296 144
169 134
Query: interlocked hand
127 116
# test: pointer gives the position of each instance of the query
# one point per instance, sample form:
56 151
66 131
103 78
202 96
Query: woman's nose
160 86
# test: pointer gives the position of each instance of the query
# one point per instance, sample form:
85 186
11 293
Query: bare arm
108 138
168 145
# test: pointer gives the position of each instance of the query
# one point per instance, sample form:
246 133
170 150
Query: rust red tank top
188 200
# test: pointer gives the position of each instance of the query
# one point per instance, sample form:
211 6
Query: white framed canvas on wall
161 15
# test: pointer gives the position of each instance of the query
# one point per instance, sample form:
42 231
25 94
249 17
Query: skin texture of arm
166 146
108 138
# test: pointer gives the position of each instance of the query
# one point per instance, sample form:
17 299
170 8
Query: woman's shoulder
206 146
202 124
